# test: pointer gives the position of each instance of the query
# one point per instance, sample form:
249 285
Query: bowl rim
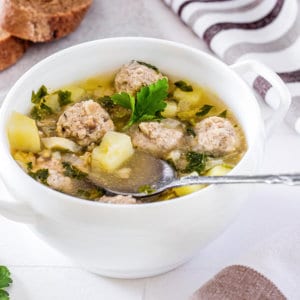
80 201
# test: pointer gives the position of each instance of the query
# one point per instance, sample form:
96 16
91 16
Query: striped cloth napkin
264 30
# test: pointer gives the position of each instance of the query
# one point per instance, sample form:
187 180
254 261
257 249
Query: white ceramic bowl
130 241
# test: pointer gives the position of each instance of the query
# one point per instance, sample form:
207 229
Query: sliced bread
42 20
11 49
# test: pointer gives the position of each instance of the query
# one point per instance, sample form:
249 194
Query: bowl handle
16 211
281 98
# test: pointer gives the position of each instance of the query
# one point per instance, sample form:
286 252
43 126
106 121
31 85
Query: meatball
60 182
56 179
131 77
84 122
157 138
119 199
215 136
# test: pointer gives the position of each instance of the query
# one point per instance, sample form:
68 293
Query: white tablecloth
39 272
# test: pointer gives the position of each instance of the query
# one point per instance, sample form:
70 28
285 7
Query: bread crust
29 23
11 50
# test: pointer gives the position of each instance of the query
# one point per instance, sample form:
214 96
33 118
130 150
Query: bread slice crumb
11 49
40 20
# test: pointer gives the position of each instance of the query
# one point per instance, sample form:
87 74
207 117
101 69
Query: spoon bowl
164 177
133 178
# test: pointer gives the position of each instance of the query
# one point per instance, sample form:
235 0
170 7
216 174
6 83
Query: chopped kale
196 162
190 131
72 171
39 95
204 110
29 166
64 97
182 85
146 189
90 194
106 102
172 164
223 114
148 65
40 175
40 111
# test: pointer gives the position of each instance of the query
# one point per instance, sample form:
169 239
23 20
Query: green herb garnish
5 281
40 175
172 164
146 189
204 110
147 104
182 85
72 171
148 65
39 95
223 114
106 102
64 97
29 166
40 111
90 194
196 162
4 295
190 131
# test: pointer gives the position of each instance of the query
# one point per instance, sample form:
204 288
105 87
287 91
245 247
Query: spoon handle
288 179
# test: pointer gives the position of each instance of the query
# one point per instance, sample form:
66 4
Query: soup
113 126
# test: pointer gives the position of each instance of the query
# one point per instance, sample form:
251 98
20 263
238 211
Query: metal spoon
167 179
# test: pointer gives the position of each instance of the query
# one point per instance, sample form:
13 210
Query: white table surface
39 272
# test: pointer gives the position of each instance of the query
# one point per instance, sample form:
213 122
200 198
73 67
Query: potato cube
52 102
76 93
185 190
113 151
23 133
188 100
61 144
170 110
219 170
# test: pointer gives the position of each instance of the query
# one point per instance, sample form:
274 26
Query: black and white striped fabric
265 30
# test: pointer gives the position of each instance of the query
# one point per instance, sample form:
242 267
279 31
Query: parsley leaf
147 105
150 100
72 171
223 114
64 97
5 279
39 95
4 295
182 85
125 100
40 175
204 110
196 162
